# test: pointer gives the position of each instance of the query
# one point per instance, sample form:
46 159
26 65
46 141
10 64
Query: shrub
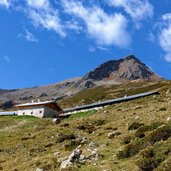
165 166
147 153
71 144
88 127
65 125
135 125
148 164
162 133
64 137
152 157
132 149
98 122
127 139
140 132
140 135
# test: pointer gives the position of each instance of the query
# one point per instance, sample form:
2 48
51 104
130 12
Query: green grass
28 142
9 121
2 136
153 149
113 91
82 114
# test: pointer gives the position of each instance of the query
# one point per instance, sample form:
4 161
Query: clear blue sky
47 41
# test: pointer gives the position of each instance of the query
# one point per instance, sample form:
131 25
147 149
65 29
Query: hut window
40 111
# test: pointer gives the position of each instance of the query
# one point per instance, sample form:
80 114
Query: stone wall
50 113
37 111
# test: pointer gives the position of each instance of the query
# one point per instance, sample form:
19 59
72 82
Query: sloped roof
109 102
40 103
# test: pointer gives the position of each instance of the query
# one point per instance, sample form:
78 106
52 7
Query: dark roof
109 102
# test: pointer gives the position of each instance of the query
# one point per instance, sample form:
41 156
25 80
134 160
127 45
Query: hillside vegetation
130 136
101 93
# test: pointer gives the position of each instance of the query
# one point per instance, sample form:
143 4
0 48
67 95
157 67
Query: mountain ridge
112 72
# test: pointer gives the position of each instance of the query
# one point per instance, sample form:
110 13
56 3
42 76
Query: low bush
127 139
135 125
161 133
165 166
65 125
88 127
70 145
140 132
152 157
135 145
132 149
64 137
148 164
147 153
98 122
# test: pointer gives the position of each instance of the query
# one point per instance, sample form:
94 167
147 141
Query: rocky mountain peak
127 68
130 57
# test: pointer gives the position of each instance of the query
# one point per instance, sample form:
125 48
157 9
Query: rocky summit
112 72
128 68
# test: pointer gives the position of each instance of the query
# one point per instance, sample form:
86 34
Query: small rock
83 140
113 134
56 153
94 155
39 169
92 145
105 111
56 120
137 117
64 164
74 157
161 126
60 160
138 107
168 118
167 92
82 157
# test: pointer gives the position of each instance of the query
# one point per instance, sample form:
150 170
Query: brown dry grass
35 143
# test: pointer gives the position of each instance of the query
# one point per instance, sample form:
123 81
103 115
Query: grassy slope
28 143
112 91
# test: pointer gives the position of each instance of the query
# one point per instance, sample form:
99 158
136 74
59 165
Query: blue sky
47 41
